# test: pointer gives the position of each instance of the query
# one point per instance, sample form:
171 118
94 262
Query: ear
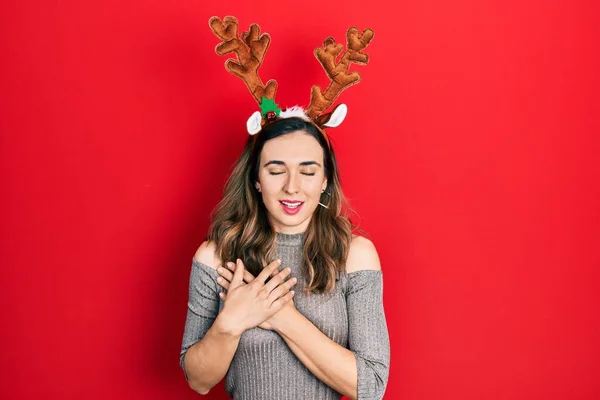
334 118
257 186
253 123
324 186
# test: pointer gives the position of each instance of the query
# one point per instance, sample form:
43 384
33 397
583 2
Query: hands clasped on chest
250 302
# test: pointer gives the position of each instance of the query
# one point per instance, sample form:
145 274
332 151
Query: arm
360 372
327 360
368 336
206 362
216 338
208 345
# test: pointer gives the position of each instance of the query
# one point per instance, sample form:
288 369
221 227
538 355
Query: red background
470 152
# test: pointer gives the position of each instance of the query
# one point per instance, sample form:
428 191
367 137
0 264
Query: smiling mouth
291 208
292 205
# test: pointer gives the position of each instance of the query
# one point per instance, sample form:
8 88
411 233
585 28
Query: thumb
238 275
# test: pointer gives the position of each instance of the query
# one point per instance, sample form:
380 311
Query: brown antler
338 72
250 51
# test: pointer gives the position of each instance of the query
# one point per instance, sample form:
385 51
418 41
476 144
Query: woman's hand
226 277
250 304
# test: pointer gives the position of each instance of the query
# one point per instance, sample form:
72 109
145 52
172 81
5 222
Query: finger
267 271
223 282
223 296
225 273
238 275
283 300
278 279
248 277
282 289
231 266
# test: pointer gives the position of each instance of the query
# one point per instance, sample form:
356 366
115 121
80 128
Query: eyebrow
302 164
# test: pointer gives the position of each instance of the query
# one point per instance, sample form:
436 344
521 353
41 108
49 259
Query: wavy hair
240 227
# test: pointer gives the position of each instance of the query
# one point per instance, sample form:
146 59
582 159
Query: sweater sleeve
203 306
368 336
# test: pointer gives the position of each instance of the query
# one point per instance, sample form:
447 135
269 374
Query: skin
291 168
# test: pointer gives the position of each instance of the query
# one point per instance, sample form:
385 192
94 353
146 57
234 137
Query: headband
250 50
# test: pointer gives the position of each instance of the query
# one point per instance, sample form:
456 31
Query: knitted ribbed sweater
263 367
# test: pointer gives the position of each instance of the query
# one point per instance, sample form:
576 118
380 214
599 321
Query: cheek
312 187
271 184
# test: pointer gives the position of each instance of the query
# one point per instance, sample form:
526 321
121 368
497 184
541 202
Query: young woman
285 302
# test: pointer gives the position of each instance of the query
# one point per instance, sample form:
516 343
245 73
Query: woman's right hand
248 305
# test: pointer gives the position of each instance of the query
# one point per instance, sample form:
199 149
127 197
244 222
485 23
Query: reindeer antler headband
250 50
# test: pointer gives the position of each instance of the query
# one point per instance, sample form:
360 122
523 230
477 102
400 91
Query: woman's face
291 179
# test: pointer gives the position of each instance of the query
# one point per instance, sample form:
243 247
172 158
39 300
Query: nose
292 185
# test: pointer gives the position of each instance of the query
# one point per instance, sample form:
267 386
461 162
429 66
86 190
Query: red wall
470 152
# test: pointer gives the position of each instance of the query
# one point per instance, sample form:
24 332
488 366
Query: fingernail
289 269
220 270
278 261
219 279
295 280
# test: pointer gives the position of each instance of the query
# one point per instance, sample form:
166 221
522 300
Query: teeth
291 205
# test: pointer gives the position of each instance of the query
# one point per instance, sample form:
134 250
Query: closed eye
303 173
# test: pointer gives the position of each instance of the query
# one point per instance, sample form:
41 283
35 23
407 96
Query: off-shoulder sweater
264 367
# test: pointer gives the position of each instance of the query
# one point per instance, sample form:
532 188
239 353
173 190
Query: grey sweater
263 367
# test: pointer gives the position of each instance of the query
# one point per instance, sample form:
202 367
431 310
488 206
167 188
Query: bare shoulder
362 256
206 254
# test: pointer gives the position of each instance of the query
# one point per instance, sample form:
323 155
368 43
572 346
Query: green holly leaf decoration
267 105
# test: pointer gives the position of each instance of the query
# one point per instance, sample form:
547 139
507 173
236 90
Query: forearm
331 363
207 361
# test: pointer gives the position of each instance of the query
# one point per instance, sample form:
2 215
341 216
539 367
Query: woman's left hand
224 279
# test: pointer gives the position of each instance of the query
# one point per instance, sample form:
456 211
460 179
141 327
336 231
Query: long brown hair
240 227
